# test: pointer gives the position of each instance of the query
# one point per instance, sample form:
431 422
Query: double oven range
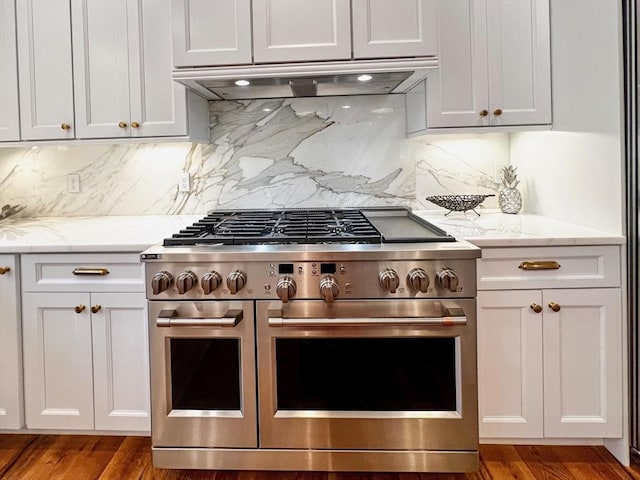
334 340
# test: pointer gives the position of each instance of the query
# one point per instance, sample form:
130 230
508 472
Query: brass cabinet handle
65 126
135 124
497 112
90 271
554 306
122 124
540 265
535 307
484 113
79 308
96 308
4 270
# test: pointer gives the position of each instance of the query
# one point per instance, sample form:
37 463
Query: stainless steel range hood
306 79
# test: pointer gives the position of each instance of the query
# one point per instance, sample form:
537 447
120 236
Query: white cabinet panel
494 64
101 68
57 361
45 69
120 361
399 28
9 116
510 399
292 31
583 363
211 33
11 413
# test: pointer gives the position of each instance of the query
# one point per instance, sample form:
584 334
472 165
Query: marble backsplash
327 152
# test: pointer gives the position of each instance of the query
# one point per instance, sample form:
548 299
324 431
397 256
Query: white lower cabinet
85 351
550 360
11 412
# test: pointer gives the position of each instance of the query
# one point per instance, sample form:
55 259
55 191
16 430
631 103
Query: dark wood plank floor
79 457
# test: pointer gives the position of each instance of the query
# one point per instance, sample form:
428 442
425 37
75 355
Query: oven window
205 374
366 374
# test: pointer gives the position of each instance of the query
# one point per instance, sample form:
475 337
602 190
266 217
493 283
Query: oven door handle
365 322
169 318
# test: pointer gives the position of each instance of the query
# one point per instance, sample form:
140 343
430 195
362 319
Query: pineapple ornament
509 198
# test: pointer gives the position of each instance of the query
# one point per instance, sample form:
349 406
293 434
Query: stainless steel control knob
210 281
185 281
286 289
418 279
236 281
448 279
161 281
389 280
329 289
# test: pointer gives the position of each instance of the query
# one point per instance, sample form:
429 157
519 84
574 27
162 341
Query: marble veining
275 153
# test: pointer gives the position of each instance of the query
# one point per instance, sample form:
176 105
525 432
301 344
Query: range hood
356 77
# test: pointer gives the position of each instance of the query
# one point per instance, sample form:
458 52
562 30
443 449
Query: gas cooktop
373 225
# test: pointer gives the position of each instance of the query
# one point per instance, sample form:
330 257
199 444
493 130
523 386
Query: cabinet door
45 69
518 41
9 117
10 345
101 68
583 363
401 28
293 31
120 361
510 364
158 104
211 33
457 92
58 386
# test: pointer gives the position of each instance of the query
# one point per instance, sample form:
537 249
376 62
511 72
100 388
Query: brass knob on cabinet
65 126
4 270
79 308
96 308
497 112
484 113
554 306
122 124
535 307
135 124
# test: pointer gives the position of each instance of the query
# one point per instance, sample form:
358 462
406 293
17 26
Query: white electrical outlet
184 182
73 183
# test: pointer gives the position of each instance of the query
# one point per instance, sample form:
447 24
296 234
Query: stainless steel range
335 340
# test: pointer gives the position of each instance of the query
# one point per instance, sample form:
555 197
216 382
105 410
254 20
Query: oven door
390 375
202 374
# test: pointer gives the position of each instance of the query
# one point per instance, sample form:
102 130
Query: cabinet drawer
549 267
82 273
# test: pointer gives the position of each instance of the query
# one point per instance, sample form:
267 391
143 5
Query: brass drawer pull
4 270
96 308
79 308
540 265
535 307
65 126
554 306
484 113
90 271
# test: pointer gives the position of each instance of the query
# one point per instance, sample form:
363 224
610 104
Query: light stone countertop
496 229
136 233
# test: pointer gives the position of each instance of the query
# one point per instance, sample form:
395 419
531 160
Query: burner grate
280 226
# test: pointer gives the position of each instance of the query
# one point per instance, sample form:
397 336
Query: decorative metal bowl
459 203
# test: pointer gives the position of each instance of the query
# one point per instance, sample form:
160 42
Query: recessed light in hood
306 79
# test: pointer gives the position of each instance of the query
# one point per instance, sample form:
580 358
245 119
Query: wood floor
45 457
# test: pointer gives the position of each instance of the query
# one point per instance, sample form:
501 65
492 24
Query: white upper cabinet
122 67
9 117
45 69
223 39
400 28
494 64
292 31
242 32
